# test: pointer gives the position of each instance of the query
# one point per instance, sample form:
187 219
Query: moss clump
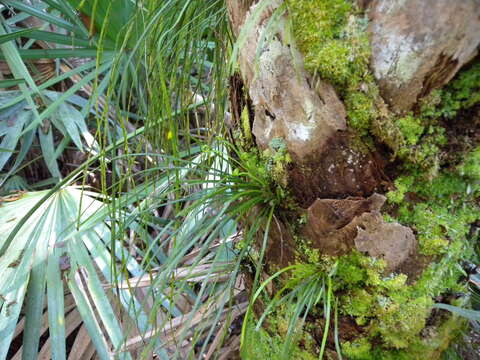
445 217
360 349
401 320
332 36
268 344
470 167
461 93
360 109
402 185
277 158
393 312
411 128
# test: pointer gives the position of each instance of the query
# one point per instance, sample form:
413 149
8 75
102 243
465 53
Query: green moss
246 128
402 185
316 24
359 303
411 128
360 110
355 269
332 36
268 344
461 93
359 349
470 167
445 217
400 322
276 159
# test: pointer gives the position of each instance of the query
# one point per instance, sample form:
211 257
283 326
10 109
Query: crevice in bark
435 77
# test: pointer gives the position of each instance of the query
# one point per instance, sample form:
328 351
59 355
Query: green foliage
308 286
360 109
392 310
402 185
332 36
334 42
470 167
360 349
461 93
261 344
59 241
411 129
277 158
401 322
447 214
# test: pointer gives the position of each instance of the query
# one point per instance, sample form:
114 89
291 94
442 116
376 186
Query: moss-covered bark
432 185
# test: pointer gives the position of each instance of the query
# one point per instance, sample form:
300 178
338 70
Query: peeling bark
305 112
419 45
335 227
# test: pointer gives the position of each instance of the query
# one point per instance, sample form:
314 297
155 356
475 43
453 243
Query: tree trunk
377 103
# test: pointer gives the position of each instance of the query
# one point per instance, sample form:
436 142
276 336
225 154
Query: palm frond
50 256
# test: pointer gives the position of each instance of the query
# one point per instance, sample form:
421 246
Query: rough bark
338 226
335 177
305 112
419 45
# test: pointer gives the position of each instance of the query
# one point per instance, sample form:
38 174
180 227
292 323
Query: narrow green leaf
14 35
34 309
466 313
48 150
58 53
55 38
10 83
55 299
43 15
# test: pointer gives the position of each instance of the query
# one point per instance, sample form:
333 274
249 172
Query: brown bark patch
337 226
281 245
338 170
288 104
237 11
392 242
463 135
348 330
